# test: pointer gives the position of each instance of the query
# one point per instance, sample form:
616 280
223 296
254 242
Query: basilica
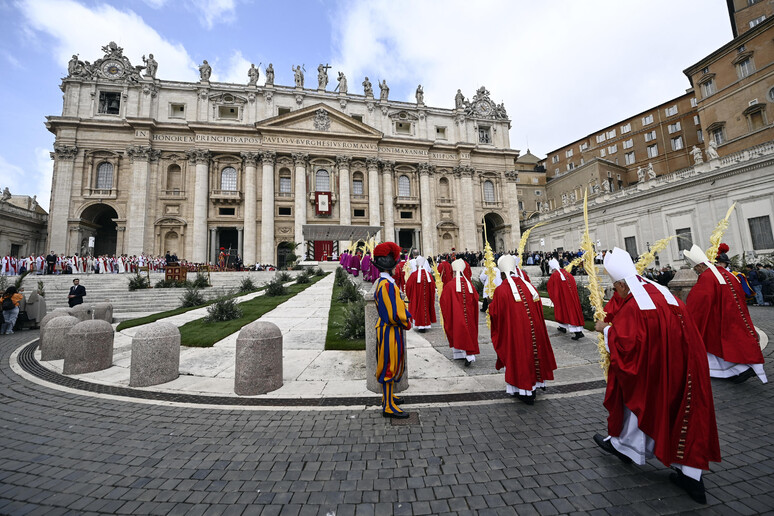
145 165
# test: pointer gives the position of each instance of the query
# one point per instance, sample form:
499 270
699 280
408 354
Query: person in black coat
75 297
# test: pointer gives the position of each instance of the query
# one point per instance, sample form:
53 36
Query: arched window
404 186
444 189
174 178
489 195
357 183
322 181
105 176
285 188
228 179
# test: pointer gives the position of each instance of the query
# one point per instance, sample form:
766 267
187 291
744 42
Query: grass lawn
548 314
335 320
201 334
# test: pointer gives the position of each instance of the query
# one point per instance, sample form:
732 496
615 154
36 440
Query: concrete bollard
258 359
90 348
103 311
682 283
57 312
56 338
82 312
371 319
155 355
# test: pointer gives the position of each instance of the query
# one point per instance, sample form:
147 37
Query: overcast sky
564 68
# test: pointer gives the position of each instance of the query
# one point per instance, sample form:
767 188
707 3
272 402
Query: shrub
247 285
41 289
224 309
340 277
170 283
298 267
138 282
20 280
585 301
304 278
201 281
349 292
192 297
318 272
284 277
276 288
478 286
353 326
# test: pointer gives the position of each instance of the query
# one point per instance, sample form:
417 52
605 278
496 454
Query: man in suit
75 297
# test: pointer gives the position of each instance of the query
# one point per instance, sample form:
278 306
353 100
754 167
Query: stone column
251 208
61 191
373 192
213 245
240 242
389 201
467 208
345 209
512 196
267 207
300 160
137 208
427 207
201 199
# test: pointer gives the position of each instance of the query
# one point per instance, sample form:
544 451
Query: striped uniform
394 320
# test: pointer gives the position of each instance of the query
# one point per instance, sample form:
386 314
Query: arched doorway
495 225
98 220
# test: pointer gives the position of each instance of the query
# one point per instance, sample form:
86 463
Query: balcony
492 204
406 202
442 201
101 193
172 194
226 196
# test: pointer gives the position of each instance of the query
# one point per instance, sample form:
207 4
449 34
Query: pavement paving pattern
63 453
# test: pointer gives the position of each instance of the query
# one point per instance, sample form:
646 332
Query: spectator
754 279
10 305
77 291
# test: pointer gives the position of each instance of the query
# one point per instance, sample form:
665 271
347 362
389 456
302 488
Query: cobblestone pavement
63 453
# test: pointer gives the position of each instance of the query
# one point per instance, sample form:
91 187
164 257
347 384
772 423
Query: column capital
250 158
463 171
300 158
372 163
387 165
343 161
65 151
511 176
138 152
198 156
268 157
426 169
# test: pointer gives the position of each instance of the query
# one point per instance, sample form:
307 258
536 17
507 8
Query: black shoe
562 330
397 400
543 389
467 363
529 400
578 335
396 415
694 488
743 377
609 448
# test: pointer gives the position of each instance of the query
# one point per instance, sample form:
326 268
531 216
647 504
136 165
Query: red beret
388 249
723 248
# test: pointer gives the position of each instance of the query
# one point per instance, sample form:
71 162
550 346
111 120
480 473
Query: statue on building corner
712 150
322 76
651 172
298 74
420 94
368 89
459 100
698 157
384 90
270 75
640 174
253 74
606 186
565 199
151 65
6 195
342 86
205 71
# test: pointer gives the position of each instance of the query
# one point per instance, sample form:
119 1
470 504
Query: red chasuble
612 306
520 337
446 273
460 316
721 314
659 371
564 295
399 275
421 297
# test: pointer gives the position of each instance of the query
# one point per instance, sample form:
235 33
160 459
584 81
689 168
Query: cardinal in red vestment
717 305
445 271
459 307
564 295
659 396
420 290
519 334
399 276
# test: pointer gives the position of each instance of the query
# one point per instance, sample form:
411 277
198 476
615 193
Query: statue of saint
459 100
384 90
205 70
342 86
640 174
270 75
651 172
151 65
6 195
712 150
72 66
322 76
368 90
252 73
698 157
420 95
606 186
565 199
298 73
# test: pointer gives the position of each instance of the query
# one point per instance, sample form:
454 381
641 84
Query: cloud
564 69
211 12
236 69
43 174
76 28
32 180
14 177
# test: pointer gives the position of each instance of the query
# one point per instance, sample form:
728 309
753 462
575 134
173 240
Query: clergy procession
59 264
657 352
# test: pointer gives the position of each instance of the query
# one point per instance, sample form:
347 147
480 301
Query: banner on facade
323 203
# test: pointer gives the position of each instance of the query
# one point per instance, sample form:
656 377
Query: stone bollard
57 312
258 359
683 281
90 348
155 355
371 318
103 311
56 339
82 312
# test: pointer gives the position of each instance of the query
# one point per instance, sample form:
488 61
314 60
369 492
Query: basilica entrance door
323 249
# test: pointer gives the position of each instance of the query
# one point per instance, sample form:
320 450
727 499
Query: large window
631 246
404 186
626 128
673 128
284 186
444 188
717 135
484 135
629 157
322 181
708 88
677 143
744 68
109 103
760 231
174 178
228 179
489 191
650 136
684 240
648 119
357 183
652 150
671 110
105 176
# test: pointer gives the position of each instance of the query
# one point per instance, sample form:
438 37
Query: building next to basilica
148 165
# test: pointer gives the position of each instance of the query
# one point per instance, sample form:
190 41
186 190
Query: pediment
320 120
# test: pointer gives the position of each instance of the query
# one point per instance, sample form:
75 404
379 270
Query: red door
323 250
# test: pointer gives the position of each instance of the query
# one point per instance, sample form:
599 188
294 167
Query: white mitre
695 256
553 264
458 266
620 267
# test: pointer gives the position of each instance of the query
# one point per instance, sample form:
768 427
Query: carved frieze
322 121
